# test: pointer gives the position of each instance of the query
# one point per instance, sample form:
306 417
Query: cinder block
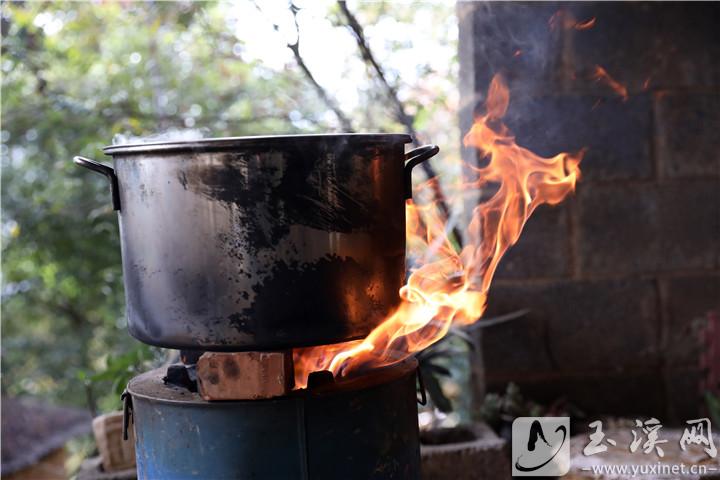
617 134
573 326
647 228
483 458
671 45
519 345
687 140
687 300
543 248
514 38
645 46
685 399
244 375
597 393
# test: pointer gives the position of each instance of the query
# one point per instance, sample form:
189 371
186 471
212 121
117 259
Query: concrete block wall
618 277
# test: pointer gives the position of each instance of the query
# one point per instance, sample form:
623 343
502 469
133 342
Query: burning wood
244 375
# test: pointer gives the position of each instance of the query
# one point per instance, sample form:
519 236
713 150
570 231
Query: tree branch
367 55
322 93
399 109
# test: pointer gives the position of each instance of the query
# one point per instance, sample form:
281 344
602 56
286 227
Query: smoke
171 135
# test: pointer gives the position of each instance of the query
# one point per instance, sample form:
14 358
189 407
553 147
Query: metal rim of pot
412 158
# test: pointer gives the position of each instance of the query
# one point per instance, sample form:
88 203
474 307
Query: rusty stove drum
361 428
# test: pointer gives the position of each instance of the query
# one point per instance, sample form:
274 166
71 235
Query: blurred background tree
76 74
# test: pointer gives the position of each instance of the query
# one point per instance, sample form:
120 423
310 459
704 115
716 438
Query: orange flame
646 83
586 25
601 75
449 287
565 20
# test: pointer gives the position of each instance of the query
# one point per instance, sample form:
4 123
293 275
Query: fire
646 83
564 19
586 25
449 286
601 75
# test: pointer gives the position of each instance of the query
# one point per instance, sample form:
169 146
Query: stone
687 141
244 375
483 458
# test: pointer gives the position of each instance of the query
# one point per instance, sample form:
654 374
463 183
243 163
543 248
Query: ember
565 20
585 25
447 286
601 75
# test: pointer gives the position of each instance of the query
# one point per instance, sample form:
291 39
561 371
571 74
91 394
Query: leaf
713 406
437 396
435 368
432 352
68 93
463 335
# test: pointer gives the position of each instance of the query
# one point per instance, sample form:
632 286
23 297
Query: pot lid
225 143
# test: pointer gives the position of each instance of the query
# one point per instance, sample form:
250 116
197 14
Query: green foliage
119 369
444 359
70 93
506 407
74 75
713 405
441 362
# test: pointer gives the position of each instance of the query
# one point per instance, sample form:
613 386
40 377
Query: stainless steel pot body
261 242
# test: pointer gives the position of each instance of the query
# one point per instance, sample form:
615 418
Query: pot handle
412 159
106 170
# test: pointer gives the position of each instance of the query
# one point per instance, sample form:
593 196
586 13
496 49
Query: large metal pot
256 243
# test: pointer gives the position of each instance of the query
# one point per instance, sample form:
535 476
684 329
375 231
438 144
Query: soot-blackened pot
256 243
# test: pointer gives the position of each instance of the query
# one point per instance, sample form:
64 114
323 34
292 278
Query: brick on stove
244 375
